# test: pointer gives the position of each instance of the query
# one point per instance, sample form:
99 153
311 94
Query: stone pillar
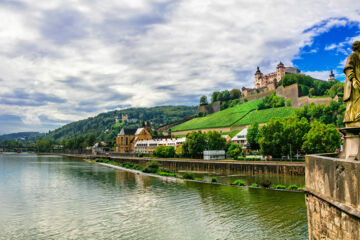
332 197
351 143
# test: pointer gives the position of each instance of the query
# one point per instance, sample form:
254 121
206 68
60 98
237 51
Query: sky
66 60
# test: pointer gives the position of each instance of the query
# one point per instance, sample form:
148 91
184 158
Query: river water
51 197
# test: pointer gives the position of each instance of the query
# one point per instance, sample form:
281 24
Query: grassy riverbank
154 168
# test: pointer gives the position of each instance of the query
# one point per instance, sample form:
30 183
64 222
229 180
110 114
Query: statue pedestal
351 143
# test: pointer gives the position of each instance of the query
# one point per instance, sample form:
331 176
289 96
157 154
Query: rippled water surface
50 197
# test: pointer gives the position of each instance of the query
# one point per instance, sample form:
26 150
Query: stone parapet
332 197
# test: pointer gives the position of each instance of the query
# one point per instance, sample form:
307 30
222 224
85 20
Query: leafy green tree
234 150
336 90
225 95
215 97
215 141
44 145
324 113
164 151
91 140
253 135
283 136
235 94
271 101
194 145
322 138
203 100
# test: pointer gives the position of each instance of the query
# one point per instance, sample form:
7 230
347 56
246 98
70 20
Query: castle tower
258 78
331 76
280 72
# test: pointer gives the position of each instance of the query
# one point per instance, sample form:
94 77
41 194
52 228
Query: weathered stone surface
332 197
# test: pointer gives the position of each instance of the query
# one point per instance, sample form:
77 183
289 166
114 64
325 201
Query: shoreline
175 179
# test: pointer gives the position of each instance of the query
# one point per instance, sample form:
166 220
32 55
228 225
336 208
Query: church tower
280 72
331 76
258 78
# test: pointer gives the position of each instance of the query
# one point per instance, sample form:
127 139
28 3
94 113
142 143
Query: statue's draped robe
351 93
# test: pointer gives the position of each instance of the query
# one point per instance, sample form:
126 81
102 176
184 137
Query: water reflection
47 197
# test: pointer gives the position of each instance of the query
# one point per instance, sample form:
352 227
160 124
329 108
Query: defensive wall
257 95
294 93
209 108
332 197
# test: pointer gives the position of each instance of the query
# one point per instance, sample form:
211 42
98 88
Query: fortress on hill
267 84
270 81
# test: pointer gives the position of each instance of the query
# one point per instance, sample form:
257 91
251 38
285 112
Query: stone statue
352 87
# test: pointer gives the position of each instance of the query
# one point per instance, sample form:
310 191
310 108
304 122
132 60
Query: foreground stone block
332 197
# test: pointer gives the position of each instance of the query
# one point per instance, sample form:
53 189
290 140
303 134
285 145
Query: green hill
239 115
262 116
103 126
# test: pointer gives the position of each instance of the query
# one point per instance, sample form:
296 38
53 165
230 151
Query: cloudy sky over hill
64 60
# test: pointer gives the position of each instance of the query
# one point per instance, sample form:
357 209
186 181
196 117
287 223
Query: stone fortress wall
294 93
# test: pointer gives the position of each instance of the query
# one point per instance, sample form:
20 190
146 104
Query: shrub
234 150
188 176
255 185
239 182
152 167
198 179
169 174
280 187
266 183
292 187
213 179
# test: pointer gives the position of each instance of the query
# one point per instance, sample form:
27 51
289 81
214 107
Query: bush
280 187
152 167
292 187
234 150
266 183
168 174
198 179
188 176
213 179
239 182
255 185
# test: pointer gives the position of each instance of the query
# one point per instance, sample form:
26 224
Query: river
52 197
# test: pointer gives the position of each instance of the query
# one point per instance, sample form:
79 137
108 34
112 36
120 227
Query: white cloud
101 54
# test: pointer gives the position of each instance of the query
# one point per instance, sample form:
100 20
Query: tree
235 94
234 150
215 141
194 144
203 100
271 101
91 140
322 138
44 145
225 95
164 151
253 135
283 136
215 97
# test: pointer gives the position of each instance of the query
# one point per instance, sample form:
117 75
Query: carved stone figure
352 87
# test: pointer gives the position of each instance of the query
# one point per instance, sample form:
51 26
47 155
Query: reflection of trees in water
247 210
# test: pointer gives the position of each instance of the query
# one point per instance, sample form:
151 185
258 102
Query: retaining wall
249 168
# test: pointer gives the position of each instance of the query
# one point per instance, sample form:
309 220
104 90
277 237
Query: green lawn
223 118
262 116
243 114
